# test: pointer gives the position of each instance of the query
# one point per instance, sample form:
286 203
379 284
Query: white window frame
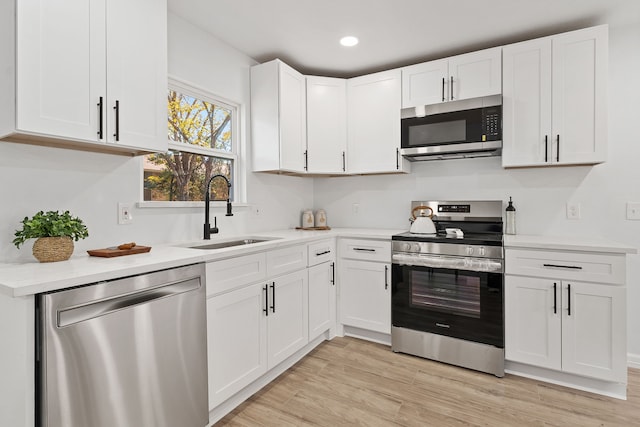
236 154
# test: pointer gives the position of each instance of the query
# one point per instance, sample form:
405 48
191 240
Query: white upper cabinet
460 77
326 124
555 99
88 76
373 109
278 118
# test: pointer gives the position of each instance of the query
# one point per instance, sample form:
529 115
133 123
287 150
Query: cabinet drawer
364 249
233 273
322 251
285 260
566 265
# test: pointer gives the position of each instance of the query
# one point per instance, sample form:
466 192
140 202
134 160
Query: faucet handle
214 229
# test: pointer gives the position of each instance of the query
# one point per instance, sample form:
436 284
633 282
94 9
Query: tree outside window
201 144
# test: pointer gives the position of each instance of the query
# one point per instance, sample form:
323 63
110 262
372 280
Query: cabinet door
60 68
326 124
374 123
594 331
475 74
322 299
365 295
288 321
424 84
137 74
293 125
526 103
236 341
533 321
580 96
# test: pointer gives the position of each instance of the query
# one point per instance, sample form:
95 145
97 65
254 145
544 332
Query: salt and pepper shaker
321 218
307 218
510 218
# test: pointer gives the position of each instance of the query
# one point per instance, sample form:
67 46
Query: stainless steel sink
231 243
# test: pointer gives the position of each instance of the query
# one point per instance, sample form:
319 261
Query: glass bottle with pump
510 218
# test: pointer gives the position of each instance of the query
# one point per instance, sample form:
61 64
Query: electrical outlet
124 213
573 210
256 210
633 211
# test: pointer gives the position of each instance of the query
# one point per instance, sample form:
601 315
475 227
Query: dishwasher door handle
91 310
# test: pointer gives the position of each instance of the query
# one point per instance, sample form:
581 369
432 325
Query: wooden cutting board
113 252
314 228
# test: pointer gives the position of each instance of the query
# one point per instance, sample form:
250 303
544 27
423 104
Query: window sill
200 205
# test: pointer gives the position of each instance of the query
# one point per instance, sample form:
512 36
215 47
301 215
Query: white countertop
586 244
21 279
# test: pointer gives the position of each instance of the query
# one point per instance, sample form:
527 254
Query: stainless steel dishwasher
130 352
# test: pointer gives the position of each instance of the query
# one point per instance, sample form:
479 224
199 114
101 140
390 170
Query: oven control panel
435 249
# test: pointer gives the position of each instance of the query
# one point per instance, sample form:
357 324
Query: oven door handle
450 262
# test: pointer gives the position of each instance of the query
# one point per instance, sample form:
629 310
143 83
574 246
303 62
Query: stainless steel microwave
473 132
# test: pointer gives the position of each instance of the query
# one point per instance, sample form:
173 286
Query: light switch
633 210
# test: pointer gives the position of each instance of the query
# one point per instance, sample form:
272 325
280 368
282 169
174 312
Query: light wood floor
348 381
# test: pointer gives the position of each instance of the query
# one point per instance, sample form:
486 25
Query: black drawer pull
572 267
568 300
364 249
323 253
555 298
266 300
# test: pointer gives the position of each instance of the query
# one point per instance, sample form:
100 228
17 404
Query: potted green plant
55 233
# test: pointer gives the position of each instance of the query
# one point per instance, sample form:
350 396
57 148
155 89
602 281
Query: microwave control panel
491 124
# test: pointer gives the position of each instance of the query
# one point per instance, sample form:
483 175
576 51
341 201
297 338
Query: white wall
540 194
90 185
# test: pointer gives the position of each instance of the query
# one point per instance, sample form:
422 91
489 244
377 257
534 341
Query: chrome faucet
208 230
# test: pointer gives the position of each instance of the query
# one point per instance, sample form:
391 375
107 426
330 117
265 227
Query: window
202 143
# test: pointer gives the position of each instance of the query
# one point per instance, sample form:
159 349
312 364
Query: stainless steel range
447 287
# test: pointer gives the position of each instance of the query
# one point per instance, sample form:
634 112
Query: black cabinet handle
572 267
558 148
555 298
117 108
451 89
333 273
386 281
364 250
266 301
306 160
443 89
397 159
100 124
273 297
323 253
344 164
546 148
569 300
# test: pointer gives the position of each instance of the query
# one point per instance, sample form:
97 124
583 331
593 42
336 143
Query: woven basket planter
52 249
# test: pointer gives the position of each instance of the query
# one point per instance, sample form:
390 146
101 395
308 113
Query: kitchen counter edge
24 279
567 243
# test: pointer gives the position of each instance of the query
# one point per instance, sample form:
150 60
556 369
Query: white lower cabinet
365 284
287 316
322 299
237 341
565 324
254 320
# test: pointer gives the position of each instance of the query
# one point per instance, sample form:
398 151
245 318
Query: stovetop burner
479 221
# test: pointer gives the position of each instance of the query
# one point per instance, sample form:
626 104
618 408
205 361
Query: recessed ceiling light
349 41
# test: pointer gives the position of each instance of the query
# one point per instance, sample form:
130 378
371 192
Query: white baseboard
633 360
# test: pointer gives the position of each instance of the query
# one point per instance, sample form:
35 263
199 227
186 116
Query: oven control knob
481 251
406 247
415 247
469 250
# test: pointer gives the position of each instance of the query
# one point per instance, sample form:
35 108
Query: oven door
450 301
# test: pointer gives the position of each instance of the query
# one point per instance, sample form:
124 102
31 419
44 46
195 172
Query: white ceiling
392 33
